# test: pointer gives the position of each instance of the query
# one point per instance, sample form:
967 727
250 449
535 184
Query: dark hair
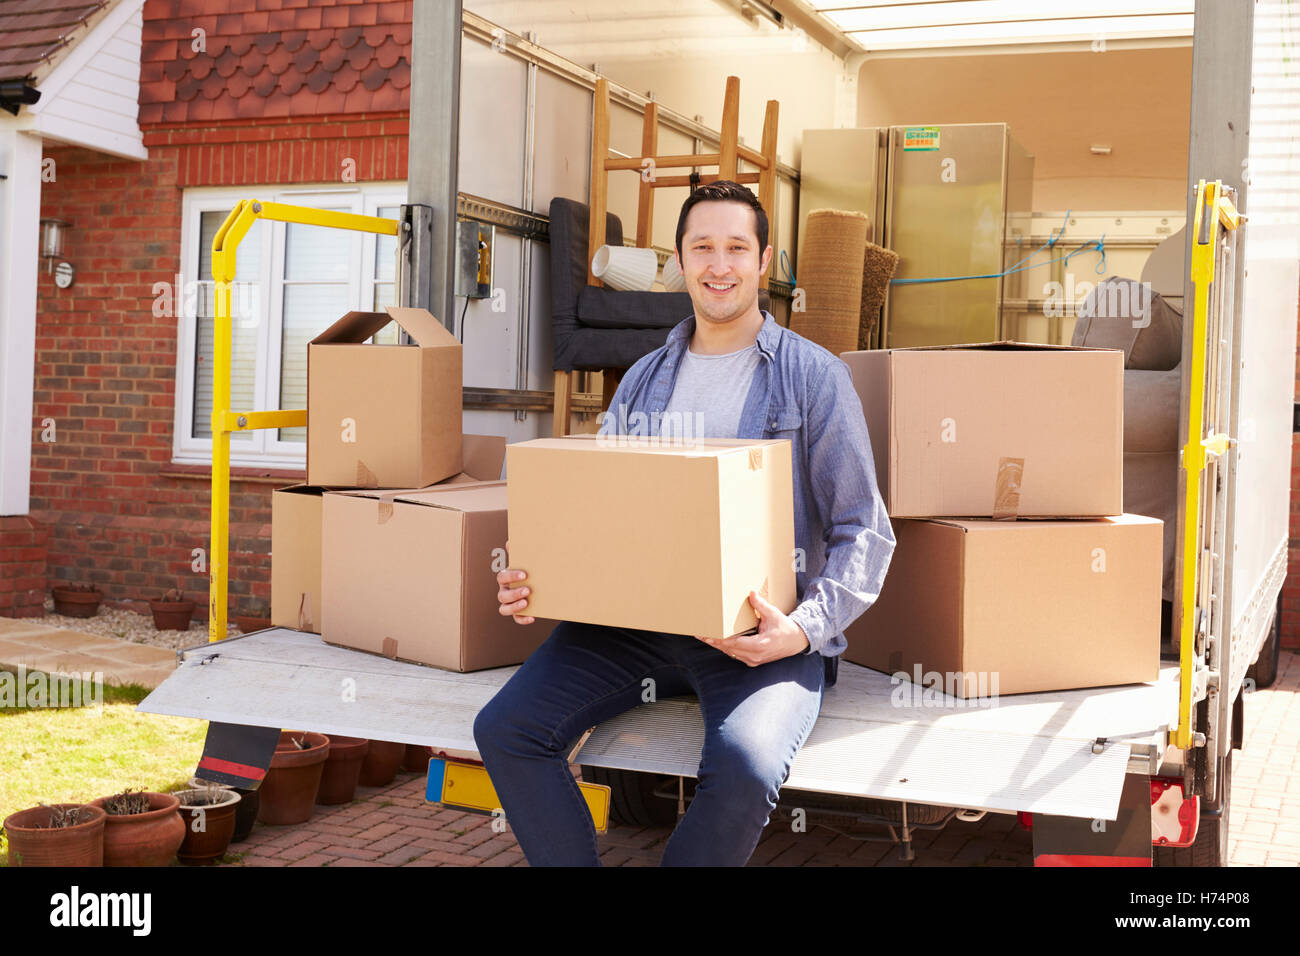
725 190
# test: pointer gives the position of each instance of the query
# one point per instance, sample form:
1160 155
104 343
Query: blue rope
1099 268
785 266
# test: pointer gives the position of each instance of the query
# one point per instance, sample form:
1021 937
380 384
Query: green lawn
76 754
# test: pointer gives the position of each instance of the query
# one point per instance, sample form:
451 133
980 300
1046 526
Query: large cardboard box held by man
296 593
383 416
411 575
999 430
1009 607
649 534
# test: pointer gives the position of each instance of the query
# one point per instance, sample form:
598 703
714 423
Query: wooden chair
727 160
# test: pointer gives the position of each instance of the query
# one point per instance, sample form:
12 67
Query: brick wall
117 513
22 567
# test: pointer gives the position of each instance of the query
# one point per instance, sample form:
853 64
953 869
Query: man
759 694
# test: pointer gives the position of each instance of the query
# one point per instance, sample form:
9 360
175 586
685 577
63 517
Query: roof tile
33 36
318 80
285 58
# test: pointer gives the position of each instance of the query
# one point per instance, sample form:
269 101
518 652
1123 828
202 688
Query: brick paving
393 826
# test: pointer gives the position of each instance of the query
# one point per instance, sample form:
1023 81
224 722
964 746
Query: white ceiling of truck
591 30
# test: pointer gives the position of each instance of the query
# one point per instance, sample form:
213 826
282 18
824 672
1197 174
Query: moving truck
1135 773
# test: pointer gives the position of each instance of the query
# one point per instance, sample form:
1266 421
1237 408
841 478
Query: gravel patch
129 626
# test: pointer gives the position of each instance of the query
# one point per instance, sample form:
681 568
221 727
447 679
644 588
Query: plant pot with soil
209 817
60 834
290 786
245 813
172 612
381 762
141 829
76 600
338 781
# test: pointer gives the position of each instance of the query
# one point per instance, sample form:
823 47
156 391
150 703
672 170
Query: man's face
720 260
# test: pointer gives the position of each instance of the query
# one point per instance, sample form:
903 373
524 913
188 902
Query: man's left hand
777 637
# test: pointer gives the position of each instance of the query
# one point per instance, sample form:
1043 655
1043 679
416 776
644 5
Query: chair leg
609 379
560 419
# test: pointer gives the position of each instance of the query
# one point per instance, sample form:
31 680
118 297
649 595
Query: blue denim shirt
802 392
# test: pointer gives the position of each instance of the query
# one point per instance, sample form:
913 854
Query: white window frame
264 449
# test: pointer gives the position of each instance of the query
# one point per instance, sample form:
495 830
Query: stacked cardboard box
1015 568
392 543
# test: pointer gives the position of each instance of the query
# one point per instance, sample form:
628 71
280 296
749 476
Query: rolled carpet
830 276
878 267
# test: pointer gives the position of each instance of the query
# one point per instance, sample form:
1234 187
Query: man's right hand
513 599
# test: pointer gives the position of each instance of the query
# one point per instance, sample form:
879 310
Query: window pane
317 253
385 247
248 255
308 311
383 299
246 311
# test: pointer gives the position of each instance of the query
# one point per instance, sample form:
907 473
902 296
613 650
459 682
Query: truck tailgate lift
1064 753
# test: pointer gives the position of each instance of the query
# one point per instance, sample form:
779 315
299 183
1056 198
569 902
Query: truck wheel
1264 671
1211 846
631 800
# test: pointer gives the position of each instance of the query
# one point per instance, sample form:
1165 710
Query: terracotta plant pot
247 625
289 790
208 826
143 839
338 781
380 765
33 843
416 759
172 615
245 813
76 603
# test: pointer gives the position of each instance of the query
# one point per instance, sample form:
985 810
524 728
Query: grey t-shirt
709 394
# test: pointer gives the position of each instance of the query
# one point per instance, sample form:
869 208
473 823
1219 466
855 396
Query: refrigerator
954 201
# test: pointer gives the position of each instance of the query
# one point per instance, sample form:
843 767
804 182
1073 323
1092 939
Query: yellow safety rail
224 420
1198 448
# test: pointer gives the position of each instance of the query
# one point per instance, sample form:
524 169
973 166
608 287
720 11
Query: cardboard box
1000 430
411 575
383 416
295 558
1008 607
296 535
642 533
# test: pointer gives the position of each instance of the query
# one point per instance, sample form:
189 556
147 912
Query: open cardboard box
383 416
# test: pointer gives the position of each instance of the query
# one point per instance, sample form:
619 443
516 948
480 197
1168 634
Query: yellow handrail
224 420
1198 447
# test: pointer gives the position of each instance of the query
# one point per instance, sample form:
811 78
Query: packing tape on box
1006 492
389 648
755 459
365 477
304 612
385 509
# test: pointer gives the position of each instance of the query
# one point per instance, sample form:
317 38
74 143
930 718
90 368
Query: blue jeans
755 720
